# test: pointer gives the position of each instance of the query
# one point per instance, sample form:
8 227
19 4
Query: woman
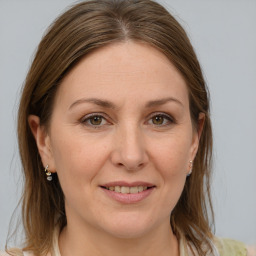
115 138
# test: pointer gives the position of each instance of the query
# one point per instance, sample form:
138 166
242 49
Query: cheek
78 159
172 155
171 162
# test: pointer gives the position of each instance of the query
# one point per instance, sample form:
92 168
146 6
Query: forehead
124 69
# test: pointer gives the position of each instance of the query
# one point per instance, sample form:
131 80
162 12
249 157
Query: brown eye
161 120
95 120
158 120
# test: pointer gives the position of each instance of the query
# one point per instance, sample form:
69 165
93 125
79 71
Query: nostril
129 159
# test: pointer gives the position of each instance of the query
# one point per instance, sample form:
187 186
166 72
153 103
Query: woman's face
120 140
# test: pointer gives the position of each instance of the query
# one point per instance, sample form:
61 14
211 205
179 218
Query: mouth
128 193
127 189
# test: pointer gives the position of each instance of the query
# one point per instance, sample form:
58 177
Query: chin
129 227
128 233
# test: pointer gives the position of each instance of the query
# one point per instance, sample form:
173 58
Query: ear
42 141
197 134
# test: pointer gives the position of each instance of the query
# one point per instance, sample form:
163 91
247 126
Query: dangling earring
48 173
191 167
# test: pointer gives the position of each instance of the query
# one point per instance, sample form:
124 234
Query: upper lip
128 184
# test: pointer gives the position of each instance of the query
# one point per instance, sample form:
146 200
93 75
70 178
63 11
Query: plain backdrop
223 33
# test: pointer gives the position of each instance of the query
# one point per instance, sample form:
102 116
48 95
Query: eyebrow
108 104
160 102
99 102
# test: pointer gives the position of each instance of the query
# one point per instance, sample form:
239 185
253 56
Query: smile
127 190
128 193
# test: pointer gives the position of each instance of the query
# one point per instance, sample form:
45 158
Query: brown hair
85 27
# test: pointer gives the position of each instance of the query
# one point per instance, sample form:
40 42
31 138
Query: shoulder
16 252
229 247
12 252
4 253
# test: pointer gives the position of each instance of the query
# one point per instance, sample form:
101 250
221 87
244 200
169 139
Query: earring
191 167
48 173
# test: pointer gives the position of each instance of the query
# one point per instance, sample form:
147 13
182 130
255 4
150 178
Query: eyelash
168 119
86 120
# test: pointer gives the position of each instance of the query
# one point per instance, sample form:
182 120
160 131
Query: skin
145 135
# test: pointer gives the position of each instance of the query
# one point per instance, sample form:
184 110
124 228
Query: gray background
224 36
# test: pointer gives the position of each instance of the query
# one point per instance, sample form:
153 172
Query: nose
129 149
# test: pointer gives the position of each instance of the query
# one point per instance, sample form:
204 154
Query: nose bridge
130 150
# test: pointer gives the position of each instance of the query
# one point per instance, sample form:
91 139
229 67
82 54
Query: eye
161 119
94 120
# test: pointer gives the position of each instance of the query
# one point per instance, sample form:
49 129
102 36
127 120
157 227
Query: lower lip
128 198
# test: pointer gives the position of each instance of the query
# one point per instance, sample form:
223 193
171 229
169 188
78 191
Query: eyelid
170 118
88 116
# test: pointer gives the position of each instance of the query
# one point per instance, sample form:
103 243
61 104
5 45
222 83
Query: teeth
134 190
117 189
127 190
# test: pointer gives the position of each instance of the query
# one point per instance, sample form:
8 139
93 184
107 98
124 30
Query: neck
81 241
